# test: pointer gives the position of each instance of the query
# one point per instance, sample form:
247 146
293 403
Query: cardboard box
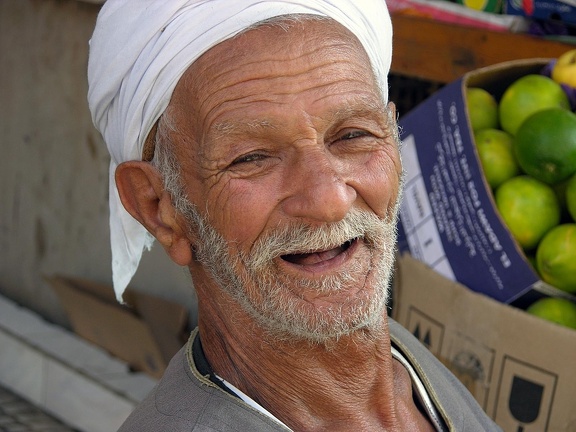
521 369
146 335
448 217
558 10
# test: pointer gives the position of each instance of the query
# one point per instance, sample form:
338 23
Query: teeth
317 256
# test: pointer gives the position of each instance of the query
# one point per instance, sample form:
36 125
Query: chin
290 318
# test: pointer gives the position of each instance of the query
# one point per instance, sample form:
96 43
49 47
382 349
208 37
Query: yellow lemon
482 109
557 310
526 96
497 158
529 209
556 257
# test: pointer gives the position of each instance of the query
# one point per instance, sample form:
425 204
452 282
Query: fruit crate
448 218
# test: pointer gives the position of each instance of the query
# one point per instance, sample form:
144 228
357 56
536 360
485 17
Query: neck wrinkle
303 385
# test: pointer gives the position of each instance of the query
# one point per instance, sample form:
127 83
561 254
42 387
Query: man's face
287 152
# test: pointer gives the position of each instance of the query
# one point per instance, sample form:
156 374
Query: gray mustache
299 238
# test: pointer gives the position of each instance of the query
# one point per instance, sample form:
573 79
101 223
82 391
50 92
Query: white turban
141 48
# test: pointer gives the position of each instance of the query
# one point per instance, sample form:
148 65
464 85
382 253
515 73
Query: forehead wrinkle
234 127
364 107
359 107
271 69
227 127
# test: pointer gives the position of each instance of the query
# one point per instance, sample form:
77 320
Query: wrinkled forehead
280 38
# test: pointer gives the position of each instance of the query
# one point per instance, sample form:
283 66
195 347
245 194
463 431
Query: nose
318 188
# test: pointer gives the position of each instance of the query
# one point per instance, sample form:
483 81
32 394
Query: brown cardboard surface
498 77
520 368
166 320
146 336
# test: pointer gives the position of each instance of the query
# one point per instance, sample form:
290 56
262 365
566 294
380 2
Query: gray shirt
185 400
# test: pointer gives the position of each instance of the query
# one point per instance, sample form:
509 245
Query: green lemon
545 145
529 209
557 310
497 158
527 95
570 196
556 257
482 109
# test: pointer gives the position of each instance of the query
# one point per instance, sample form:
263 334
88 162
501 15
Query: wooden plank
436 51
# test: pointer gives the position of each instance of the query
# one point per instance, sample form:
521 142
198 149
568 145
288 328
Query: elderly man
253 140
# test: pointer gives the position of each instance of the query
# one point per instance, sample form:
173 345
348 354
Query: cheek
240 211
379 182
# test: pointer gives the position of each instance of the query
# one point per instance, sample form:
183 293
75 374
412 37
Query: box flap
167 322
502 354
496 78
109 325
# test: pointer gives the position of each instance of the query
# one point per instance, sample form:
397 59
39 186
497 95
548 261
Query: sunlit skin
277 126
286 134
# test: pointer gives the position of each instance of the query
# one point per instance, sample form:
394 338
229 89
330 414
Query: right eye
251 157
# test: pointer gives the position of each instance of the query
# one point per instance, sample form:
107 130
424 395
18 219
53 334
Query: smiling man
254 141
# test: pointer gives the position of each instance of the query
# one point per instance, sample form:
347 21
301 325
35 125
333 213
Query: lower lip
328 265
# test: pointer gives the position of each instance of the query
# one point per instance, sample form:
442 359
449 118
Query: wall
54 164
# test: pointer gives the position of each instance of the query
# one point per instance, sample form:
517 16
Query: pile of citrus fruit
526 143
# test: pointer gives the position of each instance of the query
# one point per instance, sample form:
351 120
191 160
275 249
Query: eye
253 157
354 134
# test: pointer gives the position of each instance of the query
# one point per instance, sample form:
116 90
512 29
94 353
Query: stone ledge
65 375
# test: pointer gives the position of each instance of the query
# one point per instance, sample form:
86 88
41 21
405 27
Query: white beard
260 288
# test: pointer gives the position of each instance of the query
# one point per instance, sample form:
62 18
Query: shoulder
183 400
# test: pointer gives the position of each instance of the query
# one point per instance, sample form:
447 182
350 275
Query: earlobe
392 108
142 194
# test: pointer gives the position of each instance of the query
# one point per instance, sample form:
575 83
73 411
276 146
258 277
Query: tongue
313 258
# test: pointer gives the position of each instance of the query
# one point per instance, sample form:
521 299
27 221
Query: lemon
570 196
557 310
496 156
556 257
529 209
564 70
482 109
494 6
527 95
545 145
475 4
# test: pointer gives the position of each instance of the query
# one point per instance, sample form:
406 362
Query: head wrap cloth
141 48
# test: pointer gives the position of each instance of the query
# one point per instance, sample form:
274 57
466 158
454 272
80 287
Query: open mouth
317 257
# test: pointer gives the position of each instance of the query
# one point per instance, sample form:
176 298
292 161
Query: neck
352 382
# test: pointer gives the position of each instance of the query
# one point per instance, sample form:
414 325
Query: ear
392 109
142 194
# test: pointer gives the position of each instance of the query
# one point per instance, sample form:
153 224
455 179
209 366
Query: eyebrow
362 107
227 127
